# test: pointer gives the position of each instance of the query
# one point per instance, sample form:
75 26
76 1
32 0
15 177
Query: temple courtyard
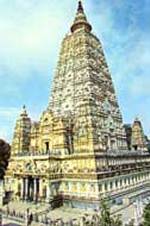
15 214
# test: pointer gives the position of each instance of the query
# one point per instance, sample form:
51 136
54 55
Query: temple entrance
30 189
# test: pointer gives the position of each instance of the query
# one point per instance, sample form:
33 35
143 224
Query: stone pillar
108 186
128 181
26 188
123 183
22 188
118 184
114 186
139 179
96 189
103 188
131 181
48 193
35 189
134 180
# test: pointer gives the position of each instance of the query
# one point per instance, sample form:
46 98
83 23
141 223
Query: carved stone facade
21 139
138 139
77 152
84 92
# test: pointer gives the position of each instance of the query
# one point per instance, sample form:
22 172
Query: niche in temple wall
46 131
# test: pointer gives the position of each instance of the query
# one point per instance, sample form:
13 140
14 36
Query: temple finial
80 6
80 21
24 111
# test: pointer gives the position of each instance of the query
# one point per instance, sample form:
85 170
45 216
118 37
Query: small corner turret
138 141
21 138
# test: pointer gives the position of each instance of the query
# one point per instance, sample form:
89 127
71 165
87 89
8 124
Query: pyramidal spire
80 7
80 20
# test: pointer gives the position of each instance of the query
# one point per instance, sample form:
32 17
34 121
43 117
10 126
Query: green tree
146 215
105 214
4 157
116 221
106 219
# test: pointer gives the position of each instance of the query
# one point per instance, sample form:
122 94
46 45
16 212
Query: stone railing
126 153
40 153
108 153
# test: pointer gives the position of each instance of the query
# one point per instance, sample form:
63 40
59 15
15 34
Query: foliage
116 221
146 215
106 219
4 157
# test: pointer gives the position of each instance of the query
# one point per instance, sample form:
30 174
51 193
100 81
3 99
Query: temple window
47 146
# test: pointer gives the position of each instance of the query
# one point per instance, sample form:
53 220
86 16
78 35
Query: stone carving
79 140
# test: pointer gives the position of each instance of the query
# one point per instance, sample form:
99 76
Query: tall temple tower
83 90
76 154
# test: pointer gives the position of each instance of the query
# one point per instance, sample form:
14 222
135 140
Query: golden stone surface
78 149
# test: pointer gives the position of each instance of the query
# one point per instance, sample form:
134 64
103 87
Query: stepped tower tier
21 138
83 88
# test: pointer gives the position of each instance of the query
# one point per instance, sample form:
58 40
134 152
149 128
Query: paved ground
67 214
11 224
7 222
133 211
126 213
43 211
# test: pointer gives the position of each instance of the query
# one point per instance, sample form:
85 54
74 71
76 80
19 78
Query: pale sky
31 32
